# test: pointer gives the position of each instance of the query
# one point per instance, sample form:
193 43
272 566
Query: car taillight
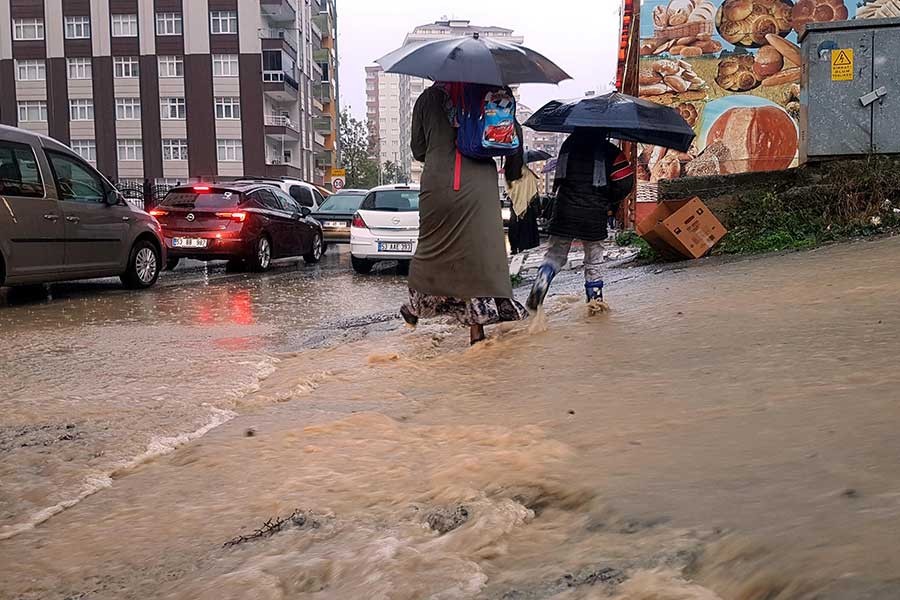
158 213
240 217
358 222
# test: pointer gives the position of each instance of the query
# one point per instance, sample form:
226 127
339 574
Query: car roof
231 186
396 186
350 191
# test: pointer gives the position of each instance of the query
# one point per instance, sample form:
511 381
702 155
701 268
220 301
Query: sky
581 36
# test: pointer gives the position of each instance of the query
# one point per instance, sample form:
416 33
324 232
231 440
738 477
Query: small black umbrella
536 155
473 60
624 117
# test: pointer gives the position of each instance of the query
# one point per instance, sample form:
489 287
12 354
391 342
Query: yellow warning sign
842 64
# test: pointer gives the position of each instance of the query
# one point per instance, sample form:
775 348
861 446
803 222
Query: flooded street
97 378
727 431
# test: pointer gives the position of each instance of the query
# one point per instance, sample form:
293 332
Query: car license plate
395 246
189 243
335 223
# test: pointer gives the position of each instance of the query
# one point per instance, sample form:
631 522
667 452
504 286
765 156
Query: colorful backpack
486 124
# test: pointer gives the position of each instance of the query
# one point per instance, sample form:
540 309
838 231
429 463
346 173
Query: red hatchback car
248 224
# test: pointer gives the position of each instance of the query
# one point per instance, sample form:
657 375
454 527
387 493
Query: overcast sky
579 35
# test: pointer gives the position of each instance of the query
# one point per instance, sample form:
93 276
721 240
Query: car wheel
361 265
172 263
262 254
325 248
318 249
143 266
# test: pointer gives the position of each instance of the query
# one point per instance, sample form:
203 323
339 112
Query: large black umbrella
624 117
473 60
536 155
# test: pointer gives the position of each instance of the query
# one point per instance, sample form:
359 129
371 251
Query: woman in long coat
460 268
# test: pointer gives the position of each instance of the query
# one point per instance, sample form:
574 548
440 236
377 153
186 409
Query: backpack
486 124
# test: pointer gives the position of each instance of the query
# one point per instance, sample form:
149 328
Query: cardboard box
682 228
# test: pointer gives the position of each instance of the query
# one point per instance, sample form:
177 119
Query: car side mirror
305 211
112 197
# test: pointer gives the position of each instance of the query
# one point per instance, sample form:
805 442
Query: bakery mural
732 69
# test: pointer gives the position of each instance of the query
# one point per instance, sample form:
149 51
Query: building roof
458 27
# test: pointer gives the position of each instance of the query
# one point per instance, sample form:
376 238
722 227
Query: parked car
60 219
386 227
337 212
248 224
305 194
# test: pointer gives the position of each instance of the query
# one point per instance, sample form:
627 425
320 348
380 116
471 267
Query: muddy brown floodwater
727 431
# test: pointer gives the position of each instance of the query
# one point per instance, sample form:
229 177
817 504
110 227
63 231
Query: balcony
323 55
324 22
280 86
281 127
279 39
324 92
319 140
279 11
276 168
324 124
324 159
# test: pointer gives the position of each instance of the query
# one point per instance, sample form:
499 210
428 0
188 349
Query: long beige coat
462 249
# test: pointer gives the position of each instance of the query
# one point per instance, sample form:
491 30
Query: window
171 66
128 109
174 149
28 29
229 150
126 67
86 149
79 68
32 110
228 108
172 109
31 70
287 203
75 181
130 150
225 65
81 109
78 28
168 23
302 195
267 199
19 174
222 21
124 26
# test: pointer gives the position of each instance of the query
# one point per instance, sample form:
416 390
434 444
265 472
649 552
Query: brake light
201 188
358 222
240 217
158 213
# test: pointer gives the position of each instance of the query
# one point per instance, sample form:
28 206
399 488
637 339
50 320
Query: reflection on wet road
96 378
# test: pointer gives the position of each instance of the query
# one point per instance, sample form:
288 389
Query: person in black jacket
593 176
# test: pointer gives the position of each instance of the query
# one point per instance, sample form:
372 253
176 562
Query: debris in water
298 518
571 412
850 493
250 432
607 576
444 520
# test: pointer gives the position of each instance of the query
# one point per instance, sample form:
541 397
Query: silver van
60 219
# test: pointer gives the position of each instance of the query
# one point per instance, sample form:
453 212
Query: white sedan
386 227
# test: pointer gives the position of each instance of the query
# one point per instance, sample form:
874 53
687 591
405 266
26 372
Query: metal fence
142 195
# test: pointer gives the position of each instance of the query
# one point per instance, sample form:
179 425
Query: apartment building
391 98
170 90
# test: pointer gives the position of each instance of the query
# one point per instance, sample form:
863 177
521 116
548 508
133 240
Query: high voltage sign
842 64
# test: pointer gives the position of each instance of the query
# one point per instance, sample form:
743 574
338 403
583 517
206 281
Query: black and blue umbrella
536 155
622 116
473 60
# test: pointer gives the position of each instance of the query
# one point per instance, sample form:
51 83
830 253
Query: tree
362 170
392 172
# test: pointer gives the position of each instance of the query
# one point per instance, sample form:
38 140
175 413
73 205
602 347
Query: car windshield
198 200
342 203
392 201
